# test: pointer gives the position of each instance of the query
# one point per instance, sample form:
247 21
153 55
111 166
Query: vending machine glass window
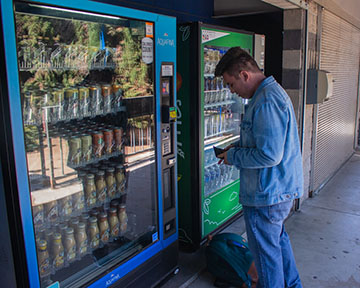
87 96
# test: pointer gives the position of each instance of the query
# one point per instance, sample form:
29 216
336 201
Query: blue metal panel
165 42
17 133
124 269
101 8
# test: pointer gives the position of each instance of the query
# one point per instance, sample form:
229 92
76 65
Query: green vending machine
208 115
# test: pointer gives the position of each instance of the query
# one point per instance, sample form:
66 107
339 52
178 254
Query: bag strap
231 236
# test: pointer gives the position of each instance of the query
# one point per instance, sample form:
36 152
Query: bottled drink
120 179
70 245
110 182
43 258
57 252
101 189
206 157
206 126
212 180
207 178
223 180
51 212
78 201
104 228
123 219
38 212
94 235
90 191
114 223
217 177
81 240
65 206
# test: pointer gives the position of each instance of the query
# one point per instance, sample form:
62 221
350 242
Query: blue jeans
270 246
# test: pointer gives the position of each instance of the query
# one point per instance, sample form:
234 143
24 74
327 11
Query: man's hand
223 158
228 147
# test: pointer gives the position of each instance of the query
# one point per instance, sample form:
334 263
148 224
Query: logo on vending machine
166 41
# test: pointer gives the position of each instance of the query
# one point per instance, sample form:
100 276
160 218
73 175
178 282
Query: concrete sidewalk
325 235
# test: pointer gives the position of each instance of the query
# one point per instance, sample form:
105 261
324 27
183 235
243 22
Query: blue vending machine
88 155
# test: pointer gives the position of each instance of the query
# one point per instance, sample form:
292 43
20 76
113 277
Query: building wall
293 81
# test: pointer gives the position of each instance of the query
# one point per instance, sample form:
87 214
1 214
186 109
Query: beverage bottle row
216 177
99 184
64 104
217 121
72 240
215 91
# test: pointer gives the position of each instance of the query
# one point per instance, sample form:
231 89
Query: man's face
237 84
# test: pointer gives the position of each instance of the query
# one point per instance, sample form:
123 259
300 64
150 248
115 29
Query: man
268 156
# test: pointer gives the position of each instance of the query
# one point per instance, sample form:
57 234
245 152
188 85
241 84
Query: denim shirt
268 152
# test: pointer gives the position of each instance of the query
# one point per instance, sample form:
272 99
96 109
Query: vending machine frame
155 262
192 230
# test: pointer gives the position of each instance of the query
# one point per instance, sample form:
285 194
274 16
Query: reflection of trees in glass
47 46
31 138
132 73
39 39
74 42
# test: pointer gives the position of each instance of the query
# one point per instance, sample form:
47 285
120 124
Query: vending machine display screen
165 87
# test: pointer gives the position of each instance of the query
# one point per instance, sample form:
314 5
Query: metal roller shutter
335 127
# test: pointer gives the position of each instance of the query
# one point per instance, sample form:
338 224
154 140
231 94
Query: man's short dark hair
234 61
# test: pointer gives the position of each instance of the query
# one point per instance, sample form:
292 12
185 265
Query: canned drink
108 141
118 134
107 97
98 144
84 101
74 156
72 99
96 100
86 147
117 96
59 101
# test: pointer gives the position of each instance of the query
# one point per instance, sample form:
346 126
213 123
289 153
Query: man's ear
245 75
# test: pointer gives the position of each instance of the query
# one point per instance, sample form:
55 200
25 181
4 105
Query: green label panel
220 207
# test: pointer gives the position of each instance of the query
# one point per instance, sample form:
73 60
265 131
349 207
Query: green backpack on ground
229 259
